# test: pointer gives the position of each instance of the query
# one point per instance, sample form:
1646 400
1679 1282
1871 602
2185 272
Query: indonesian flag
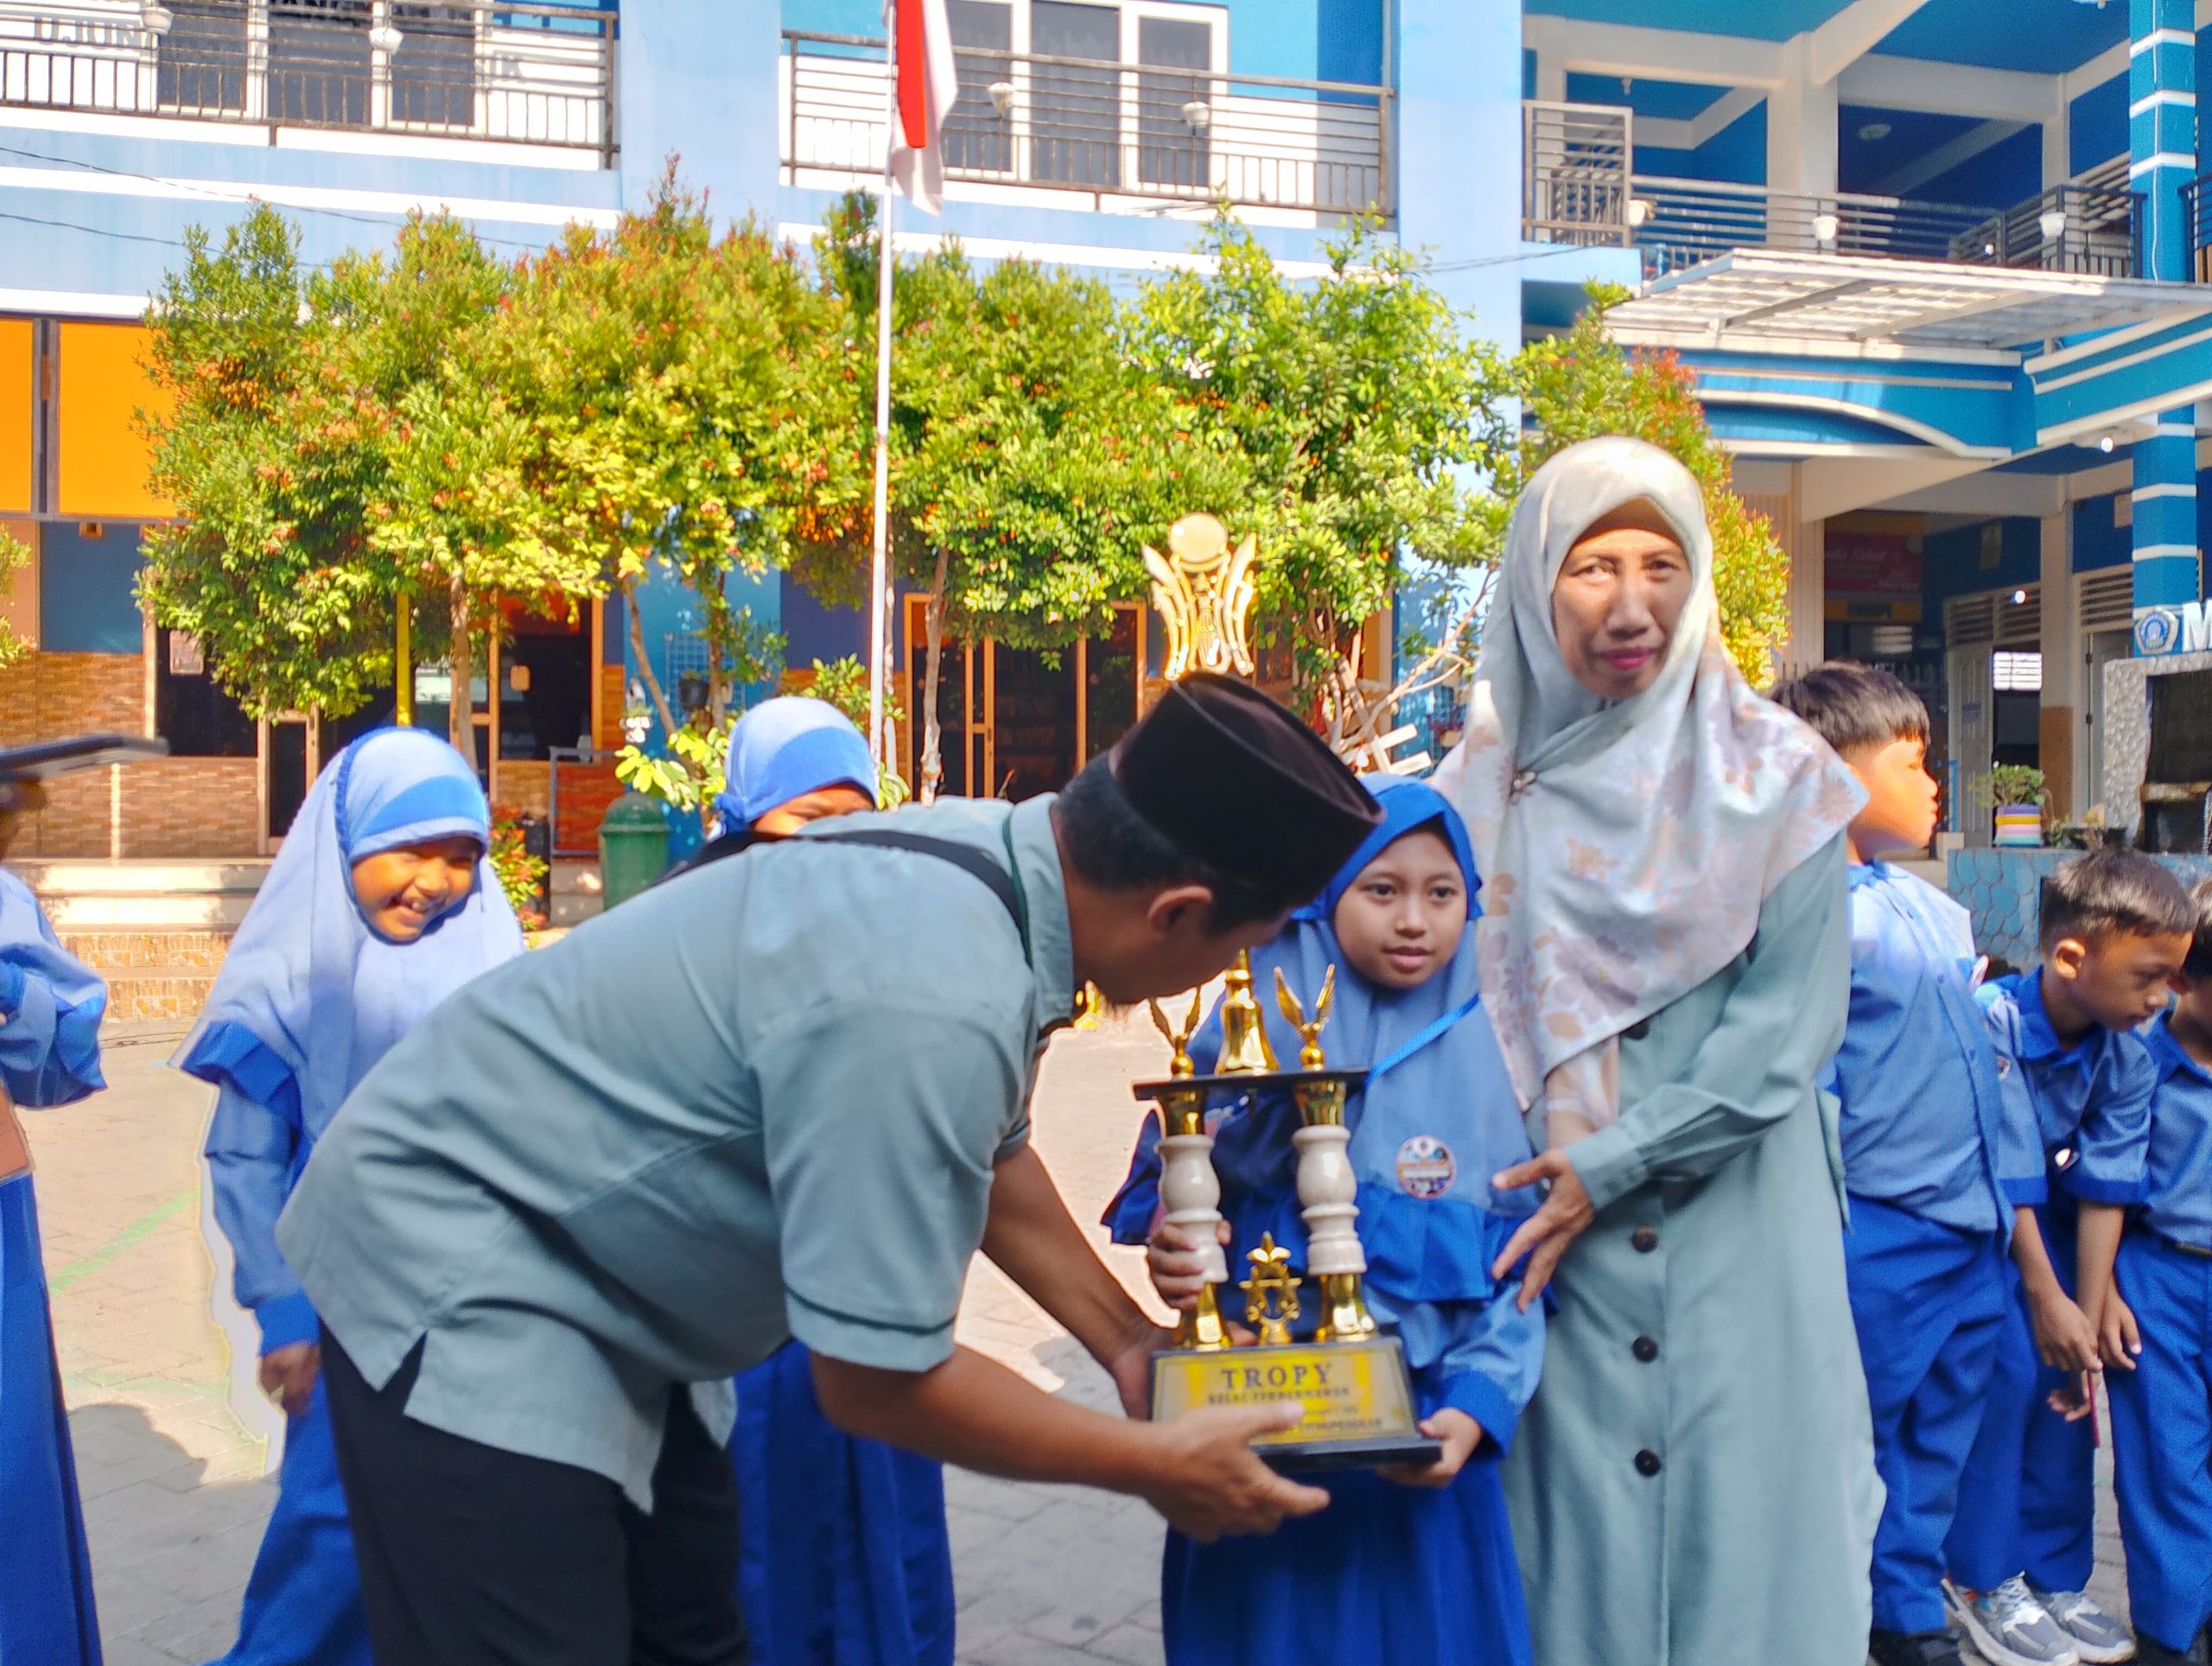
929 84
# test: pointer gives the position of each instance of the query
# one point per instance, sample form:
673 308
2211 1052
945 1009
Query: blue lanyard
1414 1043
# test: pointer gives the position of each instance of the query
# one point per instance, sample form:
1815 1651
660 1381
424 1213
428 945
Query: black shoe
2149 1652
1914 1649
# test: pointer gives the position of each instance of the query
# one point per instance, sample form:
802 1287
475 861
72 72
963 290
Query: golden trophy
1351 1376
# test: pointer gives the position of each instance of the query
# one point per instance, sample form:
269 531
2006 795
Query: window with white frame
1106 96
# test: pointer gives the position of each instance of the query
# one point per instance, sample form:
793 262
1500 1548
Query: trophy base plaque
1358 1399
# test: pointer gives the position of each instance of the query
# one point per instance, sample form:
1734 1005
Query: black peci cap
1235 778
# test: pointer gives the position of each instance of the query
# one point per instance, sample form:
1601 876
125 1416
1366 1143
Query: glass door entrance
1018 721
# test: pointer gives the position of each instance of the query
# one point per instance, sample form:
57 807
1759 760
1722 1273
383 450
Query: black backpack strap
964 856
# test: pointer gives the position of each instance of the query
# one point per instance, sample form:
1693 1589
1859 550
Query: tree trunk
718 633
932 770
644 664
460 724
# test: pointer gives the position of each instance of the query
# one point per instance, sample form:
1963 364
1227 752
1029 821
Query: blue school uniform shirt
51 1004
1922 1108
2177 1199
2091 1100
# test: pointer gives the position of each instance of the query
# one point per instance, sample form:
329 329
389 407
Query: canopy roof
1754 300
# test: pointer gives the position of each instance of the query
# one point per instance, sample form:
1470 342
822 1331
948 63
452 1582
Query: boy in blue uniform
2114 928
2157 1330
1921 1124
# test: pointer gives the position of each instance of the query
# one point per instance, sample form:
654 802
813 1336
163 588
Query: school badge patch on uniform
1425 1167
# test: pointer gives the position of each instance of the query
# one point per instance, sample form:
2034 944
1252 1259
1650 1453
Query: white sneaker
2096 1635
2009 1627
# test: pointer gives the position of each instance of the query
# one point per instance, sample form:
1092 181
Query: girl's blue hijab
310 997
1407 806
1371 1024
785 748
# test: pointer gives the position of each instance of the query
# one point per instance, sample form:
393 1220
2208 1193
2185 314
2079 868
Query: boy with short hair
1920 1122
2157 1332
2113 930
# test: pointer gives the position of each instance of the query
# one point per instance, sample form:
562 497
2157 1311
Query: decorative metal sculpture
1203 591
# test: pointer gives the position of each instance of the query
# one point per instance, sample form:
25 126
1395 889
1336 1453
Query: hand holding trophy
1351 1376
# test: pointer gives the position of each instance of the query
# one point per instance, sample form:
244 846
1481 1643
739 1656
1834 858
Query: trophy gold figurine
1352 1376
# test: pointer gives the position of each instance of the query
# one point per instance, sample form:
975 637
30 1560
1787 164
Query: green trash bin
633 847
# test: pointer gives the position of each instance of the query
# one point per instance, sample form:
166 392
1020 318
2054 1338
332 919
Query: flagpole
878 579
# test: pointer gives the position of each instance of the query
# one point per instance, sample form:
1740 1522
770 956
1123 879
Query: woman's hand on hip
1546 1235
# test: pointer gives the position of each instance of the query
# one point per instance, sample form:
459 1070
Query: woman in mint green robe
1669 954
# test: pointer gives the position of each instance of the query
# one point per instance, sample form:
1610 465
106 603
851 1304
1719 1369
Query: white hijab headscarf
1625 846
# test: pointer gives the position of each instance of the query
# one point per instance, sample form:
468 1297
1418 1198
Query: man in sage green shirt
782 1096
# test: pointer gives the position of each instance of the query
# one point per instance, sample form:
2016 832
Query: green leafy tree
416 338
269 458
1368 425
691 398
340 447
1030 460
1580 383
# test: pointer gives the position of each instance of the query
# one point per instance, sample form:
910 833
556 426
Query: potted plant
2017 792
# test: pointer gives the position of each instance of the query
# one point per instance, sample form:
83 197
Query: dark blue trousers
2162 1441
1931 1303
2027 1502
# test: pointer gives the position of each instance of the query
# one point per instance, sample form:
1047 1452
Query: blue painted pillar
2162 151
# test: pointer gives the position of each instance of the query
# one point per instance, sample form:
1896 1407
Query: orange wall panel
104 458
15 410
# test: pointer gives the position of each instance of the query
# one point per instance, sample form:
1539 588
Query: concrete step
144 895
141 876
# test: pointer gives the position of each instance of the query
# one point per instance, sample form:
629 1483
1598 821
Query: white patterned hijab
1625 846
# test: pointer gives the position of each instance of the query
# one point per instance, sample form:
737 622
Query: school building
1934 263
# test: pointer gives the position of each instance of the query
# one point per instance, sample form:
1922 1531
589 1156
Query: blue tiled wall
2001 889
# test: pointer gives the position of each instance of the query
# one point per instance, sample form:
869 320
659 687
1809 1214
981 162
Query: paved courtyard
174 1487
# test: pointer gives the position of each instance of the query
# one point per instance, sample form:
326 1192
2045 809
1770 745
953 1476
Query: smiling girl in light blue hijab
380 904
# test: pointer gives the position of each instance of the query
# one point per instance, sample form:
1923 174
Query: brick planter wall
165 807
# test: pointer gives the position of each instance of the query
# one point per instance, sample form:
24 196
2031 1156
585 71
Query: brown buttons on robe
1645 1239
1646 1462
1644 1349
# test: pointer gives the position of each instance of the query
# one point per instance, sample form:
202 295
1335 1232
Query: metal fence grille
533 73
1150 130
1577 186
1574 178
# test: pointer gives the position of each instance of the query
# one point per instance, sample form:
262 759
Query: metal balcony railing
2070 228
533 73
2196 210
1578 187
1574 173
1107 130
1678 223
